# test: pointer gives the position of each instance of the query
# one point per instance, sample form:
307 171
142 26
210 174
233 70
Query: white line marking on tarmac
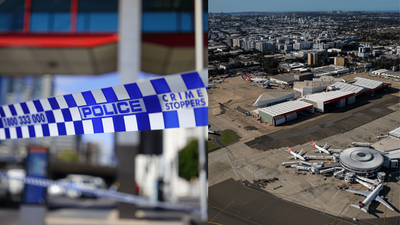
336 193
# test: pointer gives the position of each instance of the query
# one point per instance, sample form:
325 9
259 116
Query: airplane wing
383 202
290 157
363 193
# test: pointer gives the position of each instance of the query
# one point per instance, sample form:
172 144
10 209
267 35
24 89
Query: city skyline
232 6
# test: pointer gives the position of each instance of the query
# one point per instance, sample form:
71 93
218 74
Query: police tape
103 193
173 101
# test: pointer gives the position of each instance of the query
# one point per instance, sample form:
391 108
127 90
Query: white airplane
296 155
266 83
218 81
321 149
257 80
370 196
247 77
363 144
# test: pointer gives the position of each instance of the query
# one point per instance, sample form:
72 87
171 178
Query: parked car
79 181
4 195
16 187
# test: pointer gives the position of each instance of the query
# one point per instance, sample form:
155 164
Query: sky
69 84
217 6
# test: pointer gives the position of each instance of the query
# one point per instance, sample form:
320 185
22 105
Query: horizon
232 6
377 11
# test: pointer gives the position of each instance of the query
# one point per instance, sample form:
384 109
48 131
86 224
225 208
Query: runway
231 203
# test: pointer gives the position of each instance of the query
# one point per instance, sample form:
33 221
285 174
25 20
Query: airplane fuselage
321 149
296 155
373 195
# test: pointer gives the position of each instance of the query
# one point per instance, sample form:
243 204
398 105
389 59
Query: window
50 16
12 16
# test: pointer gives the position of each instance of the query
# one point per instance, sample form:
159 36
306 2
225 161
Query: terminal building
311 87
361 160
331 70
390 147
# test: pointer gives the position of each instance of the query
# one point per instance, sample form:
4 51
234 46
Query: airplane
363 144
321 149
296 155
247 77
218 81
211 86
266 83
370 196
257 80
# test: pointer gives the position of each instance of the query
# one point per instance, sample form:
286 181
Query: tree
188 161
69 156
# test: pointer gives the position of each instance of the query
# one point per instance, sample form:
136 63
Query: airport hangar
287 111
362 87
338 95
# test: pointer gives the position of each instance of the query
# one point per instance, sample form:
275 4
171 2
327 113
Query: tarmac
230 202
75 216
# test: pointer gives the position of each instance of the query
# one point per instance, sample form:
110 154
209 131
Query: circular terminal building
361 160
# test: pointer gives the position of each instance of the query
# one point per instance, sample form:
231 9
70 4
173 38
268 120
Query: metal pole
129 61
201 131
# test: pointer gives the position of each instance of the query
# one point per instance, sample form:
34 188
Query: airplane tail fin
313 143
223 80
360 206
357 207
288 148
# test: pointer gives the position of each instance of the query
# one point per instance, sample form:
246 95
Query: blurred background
57 47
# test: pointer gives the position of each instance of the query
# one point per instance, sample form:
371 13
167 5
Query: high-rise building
365 50
312 58
25 88
340 61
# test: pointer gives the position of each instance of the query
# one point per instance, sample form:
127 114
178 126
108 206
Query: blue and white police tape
103 193
173 101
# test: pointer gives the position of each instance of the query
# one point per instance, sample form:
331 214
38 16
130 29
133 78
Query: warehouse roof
327 78
328 96
395 132
393 154
271 97
387 144
285 108
285 77
340 86
368 83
